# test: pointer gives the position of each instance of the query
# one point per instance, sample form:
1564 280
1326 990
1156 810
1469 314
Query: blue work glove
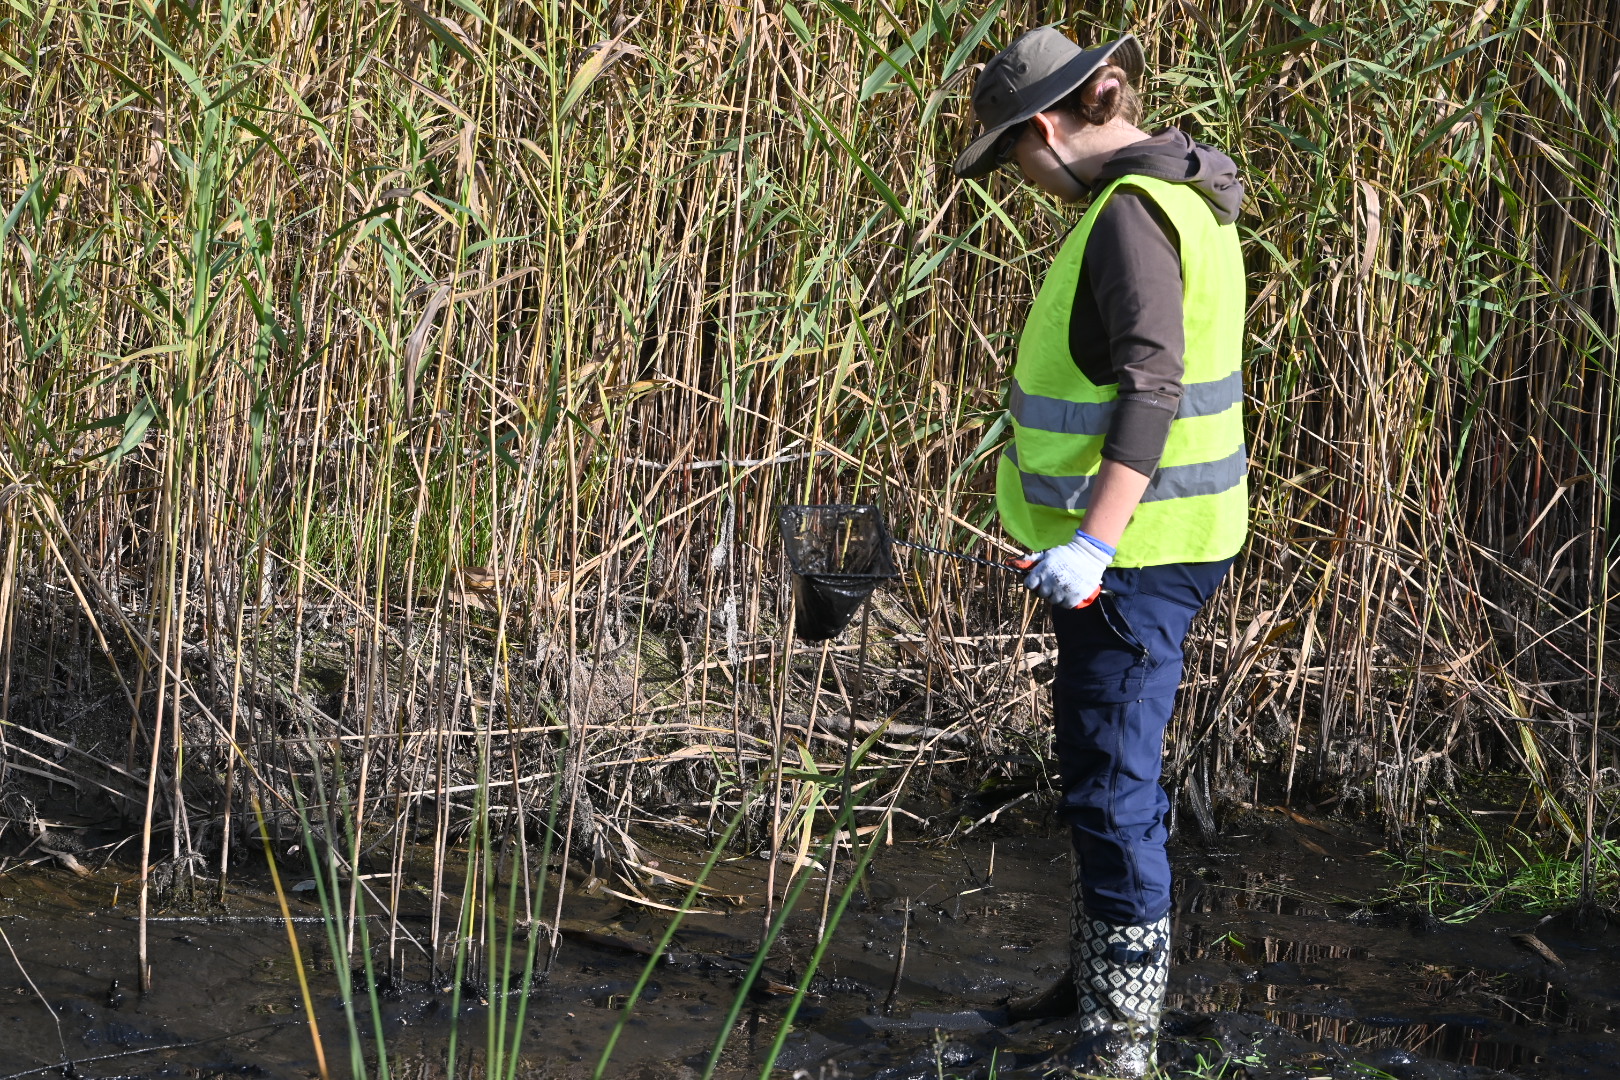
1071 575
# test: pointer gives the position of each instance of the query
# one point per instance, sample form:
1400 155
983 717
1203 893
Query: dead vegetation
400 407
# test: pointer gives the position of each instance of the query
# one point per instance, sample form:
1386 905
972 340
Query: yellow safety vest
1197 503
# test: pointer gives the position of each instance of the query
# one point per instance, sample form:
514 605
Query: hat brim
977 161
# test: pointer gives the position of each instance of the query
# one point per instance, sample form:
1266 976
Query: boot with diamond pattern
1120 974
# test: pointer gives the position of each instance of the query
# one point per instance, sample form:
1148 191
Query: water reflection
1375 999
1212 941
1256 892
1465 1043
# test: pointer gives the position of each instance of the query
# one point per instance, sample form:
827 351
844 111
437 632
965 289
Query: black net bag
838 555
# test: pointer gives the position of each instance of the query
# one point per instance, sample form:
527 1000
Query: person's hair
1106 95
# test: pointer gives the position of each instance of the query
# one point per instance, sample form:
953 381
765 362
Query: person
1126 476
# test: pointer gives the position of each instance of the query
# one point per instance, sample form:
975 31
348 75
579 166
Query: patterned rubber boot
1120 974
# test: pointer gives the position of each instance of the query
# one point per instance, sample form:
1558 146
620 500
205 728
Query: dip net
838 554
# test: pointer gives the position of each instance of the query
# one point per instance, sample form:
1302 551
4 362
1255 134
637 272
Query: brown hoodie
1127 327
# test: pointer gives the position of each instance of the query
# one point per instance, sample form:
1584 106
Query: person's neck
1090 149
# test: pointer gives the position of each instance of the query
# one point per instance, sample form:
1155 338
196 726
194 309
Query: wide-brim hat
1031 75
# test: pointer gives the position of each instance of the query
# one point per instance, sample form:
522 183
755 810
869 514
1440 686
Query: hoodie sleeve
1133 269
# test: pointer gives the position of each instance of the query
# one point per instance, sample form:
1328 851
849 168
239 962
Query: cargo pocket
1104 652
1113 613
1114 616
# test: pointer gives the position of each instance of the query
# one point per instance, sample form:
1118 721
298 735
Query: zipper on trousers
1120 626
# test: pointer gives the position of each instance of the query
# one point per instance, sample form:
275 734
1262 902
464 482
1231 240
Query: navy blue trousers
1119 666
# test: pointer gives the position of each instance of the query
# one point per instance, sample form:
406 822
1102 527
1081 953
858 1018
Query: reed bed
396 399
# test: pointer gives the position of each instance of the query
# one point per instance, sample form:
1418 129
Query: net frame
838 553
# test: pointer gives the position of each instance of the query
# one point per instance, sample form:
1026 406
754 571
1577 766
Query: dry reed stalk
335 352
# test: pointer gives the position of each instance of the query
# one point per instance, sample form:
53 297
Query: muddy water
1282 969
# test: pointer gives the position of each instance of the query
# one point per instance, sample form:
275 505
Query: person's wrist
1107 549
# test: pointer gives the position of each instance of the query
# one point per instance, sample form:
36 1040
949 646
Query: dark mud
1285 966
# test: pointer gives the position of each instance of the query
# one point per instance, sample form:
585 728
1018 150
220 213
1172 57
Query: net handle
993 564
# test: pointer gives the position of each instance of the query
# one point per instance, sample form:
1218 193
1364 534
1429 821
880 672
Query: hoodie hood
1172 155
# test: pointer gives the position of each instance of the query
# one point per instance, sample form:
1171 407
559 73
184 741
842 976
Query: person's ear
1043 124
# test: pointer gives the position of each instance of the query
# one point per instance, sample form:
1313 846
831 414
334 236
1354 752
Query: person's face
1045 135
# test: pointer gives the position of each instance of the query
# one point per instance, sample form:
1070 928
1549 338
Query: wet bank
1286 965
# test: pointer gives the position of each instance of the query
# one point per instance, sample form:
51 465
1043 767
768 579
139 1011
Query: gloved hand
1071 575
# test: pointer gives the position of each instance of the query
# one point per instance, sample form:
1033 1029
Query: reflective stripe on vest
1093 417
1168 482
1195 508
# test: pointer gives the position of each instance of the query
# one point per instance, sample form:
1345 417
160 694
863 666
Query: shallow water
1280 971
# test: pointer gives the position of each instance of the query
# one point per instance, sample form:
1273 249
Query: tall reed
401 395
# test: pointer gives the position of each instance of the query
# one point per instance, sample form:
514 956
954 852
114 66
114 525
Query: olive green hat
1031 75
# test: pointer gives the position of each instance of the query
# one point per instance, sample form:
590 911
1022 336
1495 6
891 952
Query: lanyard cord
1085 188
